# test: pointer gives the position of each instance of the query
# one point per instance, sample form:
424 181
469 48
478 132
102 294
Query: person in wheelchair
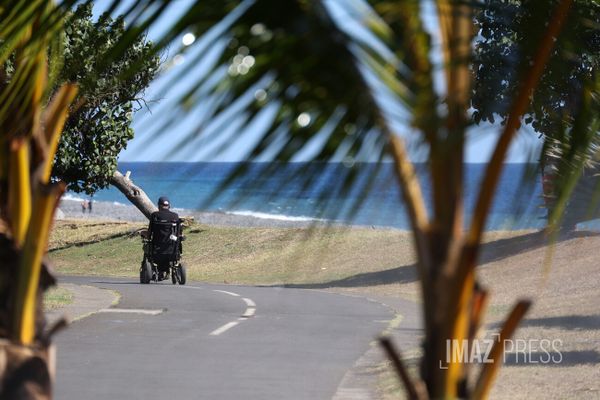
163 246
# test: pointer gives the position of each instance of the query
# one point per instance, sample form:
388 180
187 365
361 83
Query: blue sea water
320 191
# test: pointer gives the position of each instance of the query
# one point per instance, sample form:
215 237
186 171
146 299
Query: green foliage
564 108
98 127
504 52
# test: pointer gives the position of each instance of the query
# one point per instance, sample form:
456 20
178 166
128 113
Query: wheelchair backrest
165 237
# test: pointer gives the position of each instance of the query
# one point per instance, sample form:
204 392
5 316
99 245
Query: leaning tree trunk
133 193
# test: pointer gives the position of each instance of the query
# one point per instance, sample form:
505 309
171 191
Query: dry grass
57 297
325 256
66 233
294 256
565 294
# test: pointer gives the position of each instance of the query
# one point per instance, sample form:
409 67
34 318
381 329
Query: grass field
67 233
370 260
340 256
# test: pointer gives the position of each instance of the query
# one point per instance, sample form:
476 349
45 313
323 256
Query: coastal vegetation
99 126
568 87
318 90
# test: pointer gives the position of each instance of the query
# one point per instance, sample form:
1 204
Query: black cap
163 201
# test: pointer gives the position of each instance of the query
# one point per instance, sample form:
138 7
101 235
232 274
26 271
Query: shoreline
104 210
71 209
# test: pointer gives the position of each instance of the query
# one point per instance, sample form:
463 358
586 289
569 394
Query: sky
164 134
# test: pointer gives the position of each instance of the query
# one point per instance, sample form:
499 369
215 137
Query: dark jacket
163 215
164 224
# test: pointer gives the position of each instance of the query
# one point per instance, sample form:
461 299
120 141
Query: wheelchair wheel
146 272
181 274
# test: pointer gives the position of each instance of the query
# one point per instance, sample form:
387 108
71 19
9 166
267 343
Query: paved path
215 342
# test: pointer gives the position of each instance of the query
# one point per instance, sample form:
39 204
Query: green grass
252 255
380 259
57 297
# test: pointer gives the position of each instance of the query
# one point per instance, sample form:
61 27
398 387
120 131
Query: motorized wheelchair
162 252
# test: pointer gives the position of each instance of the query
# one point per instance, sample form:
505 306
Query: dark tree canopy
565 107
502 56
99 127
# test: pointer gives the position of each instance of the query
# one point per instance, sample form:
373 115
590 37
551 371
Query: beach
69 209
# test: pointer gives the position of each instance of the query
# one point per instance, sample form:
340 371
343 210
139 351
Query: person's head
163 203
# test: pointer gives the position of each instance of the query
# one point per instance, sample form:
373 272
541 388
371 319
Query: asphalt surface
215 342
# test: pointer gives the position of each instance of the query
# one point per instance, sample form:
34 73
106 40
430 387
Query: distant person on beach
84 206
89 206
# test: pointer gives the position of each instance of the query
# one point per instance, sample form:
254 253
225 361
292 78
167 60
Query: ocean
364 194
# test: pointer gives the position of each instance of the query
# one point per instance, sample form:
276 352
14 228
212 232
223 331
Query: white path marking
224 328
226 292
131 311
249 302
250 311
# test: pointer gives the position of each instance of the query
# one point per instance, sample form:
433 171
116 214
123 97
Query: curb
87 300
361 381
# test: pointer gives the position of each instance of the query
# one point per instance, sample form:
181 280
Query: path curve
291 344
